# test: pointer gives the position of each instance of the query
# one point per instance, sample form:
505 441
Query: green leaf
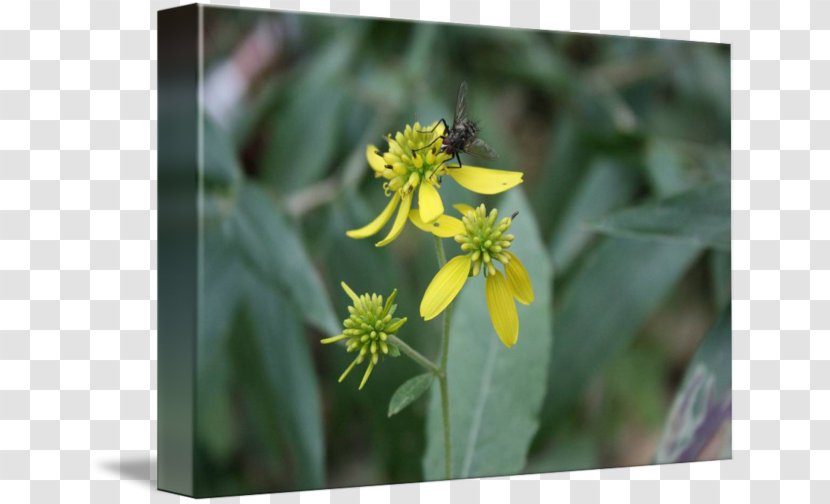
607 186
221 288
221 165
273 249
215 428
274 371
347 256
720 274
667 169
703 403
306 129
704 80
610 296
222 291
563 170
495 393
278 369
571 451
700 216
407 393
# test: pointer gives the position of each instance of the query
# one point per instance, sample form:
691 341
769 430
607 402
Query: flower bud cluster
485 239
368 329
414 156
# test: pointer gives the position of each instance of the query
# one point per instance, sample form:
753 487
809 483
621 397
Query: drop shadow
138 467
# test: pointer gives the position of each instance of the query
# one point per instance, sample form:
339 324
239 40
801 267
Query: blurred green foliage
625 147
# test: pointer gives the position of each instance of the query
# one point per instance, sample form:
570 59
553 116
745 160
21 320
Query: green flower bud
367 330
485 239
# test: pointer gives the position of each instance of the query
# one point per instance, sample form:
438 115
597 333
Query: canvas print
394 252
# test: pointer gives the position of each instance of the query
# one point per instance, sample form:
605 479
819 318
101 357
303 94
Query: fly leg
427 146
441 137
440 121
445 165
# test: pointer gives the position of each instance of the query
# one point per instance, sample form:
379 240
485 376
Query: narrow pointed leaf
608 299
272 247
221 166
410 391
607 186
222 296
274 361
700 216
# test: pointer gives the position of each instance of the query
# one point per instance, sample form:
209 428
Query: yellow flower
413 161
484 242
367 330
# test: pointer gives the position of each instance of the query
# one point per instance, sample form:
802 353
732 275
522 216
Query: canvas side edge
178 81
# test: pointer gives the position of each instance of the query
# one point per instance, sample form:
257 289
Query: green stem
415 355
439 251
442 377
445 396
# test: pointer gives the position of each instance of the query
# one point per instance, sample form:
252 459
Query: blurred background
625 146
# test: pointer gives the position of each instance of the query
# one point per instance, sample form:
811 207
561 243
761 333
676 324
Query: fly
462 135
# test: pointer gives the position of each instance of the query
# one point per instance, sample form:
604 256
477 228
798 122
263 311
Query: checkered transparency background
78 251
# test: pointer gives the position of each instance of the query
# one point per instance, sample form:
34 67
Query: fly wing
461 104
478 148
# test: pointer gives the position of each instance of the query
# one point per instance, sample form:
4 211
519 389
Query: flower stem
415 355
445 397
439 251
442 377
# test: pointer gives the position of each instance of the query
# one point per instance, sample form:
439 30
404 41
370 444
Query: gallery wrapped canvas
395 252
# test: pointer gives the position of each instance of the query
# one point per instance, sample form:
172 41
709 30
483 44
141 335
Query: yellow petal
446 284
485 180
400 220
443 227
518 280
380 221
375 159
463 208
502 309
415 217
430 205
447 227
